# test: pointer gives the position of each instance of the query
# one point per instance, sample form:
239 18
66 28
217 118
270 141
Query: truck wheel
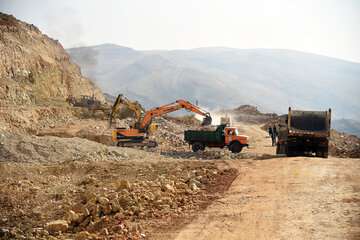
235 147
197 147
290 151
280 149
324 153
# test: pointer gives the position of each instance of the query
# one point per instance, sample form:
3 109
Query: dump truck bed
306 133
306 123
215 136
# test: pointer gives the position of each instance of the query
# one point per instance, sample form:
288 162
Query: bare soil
105 192
282 198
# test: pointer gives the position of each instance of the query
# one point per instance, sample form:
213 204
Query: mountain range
218 77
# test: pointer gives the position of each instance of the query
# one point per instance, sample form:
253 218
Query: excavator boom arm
133 106
172 107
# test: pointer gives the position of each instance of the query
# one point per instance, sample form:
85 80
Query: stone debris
57 226
35 68
248 114
123 184
24 148
140 199
103 205
169 134
84 235
4 233
344 145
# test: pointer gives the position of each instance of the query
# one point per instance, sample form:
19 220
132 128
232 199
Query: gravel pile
104 200
24 148
344 145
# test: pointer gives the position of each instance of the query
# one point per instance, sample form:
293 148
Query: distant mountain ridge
347 125
272 79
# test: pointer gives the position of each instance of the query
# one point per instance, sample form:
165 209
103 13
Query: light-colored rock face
35 68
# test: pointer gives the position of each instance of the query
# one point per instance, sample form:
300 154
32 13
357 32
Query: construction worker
271 134
275 134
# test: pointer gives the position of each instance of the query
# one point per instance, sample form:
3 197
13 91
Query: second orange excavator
142 127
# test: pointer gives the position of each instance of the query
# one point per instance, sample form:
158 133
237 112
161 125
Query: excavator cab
153 127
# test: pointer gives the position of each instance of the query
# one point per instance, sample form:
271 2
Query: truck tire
235 147
291 151
281 149
197 146
324 153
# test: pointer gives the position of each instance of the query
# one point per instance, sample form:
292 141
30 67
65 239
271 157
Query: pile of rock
210 154
249 114
30 119
169 135
116 212
344 145
24 148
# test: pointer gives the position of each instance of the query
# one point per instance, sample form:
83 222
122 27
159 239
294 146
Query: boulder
85 235
115 205
125 202
123 184
88 196
168 188
194 182
57 226
4 233
73 217
103 201
194 187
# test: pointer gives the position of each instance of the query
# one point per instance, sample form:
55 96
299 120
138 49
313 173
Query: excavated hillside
141 192
35 68
60 179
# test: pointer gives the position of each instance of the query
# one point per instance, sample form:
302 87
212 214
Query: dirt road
283 198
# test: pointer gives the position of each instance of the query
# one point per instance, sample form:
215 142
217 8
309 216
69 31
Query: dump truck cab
221 137
232 134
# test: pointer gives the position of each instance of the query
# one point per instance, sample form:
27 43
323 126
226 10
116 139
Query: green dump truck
304 133
221 137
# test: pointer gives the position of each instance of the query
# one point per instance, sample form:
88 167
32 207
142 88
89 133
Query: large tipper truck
305 133
221 137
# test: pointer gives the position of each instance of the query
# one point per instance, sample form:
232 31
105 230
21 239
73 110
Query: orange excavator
142 127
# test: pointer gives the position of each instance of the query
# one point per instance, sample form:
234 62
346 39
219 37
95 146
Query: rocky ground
67 181
35 68
248 114
344 145
62 178
104 199
281 198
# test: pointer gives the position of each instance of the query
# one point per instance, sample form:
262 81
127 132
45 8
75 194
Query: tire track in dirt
283 198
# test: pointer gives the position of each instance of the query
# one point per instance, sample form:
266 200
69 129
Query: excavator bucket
206 121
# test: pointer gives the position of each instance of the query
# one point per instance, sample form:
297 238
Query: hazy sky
328 27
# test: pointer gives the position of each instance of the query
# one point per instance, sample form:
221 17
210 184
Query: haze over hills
347 126
272 79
